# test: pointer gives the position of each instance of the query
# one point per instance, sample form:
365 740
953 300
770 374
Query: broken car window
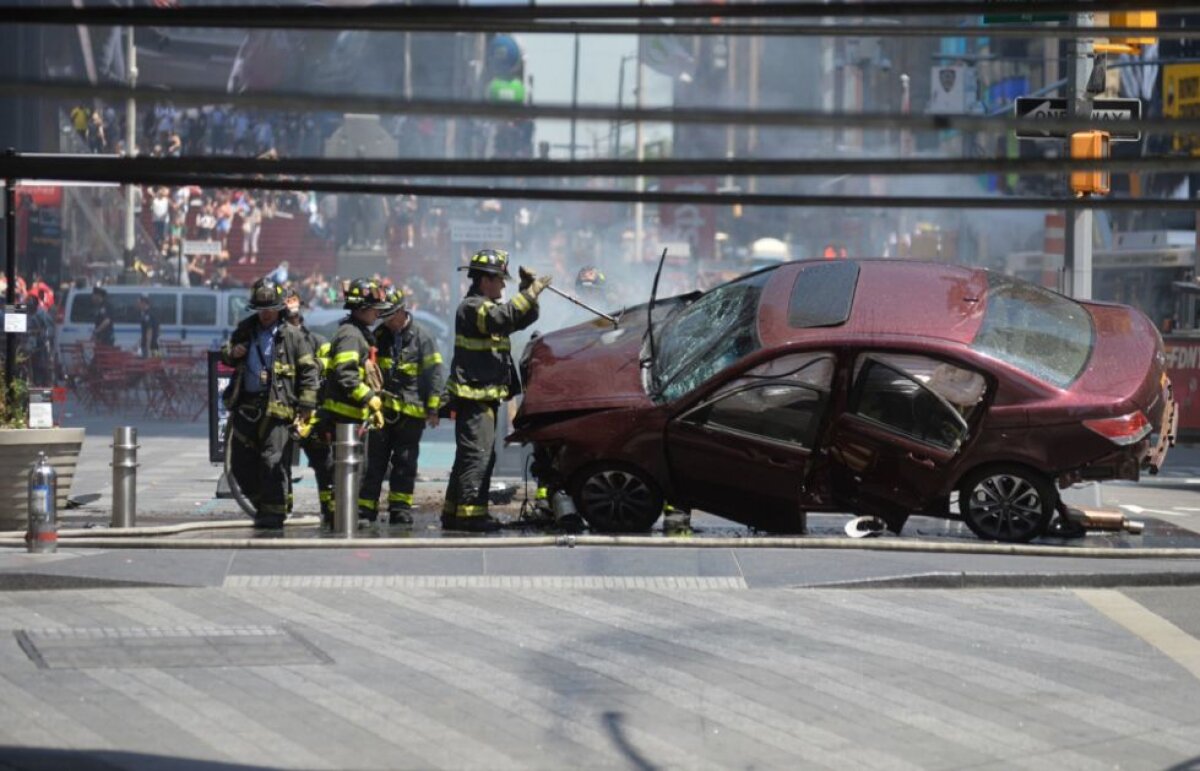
1043 333
778 411
709 335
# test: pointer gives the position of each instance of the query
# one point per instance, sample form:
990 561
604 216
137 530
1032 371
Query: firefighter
590 285
482 376
412 377
275 383
308 439
352 378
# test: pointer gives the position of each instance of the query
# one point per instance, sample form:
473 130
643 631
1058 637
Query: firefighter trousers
260 458
474 458
398 443
319 454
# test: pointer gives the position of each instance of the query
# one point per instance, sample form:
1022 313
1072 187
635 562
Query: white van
201 317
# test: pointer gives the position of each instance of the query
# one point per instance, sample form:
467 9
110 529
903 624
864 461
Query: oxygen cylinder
42 536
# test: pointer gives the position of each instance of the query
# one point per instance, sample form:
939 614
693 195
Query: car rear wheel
618 499
1006 503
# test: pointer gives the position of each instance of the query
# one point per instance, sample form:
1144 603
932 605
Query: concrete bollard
347 465
124 485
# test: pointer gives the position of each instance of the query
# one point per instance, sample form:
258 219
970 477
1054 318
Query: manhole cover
167 647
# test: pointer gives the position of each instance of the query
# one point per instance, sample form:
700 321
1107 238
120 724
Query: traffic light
1133 43
1092 145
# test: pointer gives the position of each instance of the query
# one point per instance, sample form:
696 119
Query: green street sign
1022 18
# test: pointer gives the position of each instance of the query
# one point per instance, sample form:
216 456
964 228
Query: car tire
615 498
1006 503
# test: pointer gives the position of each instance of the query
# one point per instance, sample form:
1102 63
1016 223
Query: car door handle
920 460
760 457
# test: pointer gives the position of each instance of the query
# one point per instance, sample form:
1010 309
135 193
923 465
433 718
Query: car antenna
649 361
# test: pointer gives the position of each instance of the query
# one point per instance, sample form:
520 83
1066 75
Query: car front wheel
618 499
1006 503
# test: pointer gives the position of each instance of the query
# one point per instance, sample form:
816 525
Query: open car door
901 434
744 453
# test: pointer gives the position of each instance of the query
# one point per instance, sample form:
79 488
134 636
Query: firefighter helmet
589 277
266 295
395 301
493 262
364 293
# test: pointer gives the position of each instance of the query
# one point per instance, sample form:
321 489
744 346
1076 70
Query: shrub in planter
19 448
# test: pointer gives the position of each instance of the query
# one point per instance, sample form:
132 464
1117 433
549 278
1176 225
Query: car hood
587 367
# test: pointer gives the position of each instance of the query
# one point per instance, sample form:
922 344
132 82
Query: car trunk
1122 370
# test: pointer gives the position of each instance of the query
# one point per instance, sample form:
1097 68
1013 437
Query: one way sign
1103 110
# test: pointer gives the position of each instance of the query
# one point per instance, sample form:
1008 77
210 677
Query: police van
200 317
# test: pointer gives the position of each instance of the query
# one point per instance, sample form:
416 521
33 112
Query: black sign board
1106 112
219 376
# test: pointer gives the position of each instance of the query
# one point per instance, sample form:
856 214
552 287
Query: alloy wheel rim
1004 504
616 496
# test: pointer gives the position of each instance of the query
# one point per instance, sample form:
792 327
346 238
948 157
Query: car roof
890 298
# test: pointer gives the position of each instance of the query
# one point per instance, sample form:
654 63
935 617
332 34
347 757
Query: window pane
785 413
890 397
200 309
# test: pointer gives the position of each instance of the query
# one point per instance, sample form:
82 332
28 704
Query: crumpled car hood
586 367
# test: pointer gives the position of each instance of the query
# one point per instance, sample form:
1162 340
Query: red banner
42 196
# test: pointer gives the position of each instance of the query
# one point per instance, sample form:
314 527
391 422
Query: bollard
347 461
42 535
124 485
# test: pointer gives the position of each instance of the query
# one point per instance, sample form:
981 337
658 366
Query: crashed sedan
884 388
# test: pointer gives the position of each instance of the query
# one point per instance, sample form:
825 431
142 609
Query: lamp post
131 191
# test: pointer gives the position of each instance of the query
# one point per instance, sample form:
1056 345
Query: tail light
1124 430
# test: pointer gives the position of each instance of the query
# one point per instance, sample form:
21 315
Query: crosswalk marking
1151 627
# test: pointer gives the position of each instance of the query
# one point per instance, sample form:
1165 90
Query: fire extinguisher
42 536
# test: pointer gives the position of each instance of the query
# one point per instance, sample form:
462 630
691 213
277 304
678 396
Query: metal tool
614 319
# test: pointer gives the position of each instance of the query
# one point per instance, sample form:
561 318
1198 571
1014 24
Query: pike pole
613 319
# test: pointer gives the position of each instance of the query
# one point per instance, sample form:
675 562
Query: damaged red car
869 387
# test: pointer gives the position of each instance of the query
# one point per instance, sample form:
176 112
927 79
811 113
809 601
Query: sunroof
823 294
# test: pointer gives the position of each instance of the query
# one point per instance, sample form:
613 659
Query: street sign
1103 110
469 232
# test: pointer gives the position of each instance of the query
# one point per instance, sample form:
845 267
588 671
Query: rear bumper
1163 438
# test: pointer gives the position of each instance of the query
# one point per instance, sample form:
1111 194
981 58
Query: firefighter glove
539 284
527 276
376 419
375 404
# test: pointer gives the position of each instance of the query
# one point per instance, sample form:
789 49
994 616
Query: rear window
822 295
1041 332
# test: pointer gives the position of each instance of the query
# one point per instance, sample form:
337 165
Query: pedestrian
316 450
352 377
102 321
412 377
160 209
274 385
148 340
482 376
39 342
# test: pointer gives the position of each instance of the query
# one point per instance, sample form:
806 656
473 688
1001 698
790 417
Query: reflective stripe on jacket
294 375
346 391
413 373
483 369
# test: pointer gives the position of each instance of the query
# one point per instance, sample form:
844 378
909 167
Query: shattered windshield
708 336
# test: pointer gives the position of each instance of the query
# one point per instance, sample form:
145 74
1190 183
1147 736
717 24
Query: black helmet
364 293
492 262
589 277
266 295
395 301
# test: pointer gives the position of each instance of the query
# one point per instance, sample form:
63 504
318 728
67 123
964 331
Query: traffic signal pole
1078 256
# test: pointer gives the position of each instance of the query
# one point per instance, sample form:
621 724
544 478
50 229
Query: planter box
19 448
